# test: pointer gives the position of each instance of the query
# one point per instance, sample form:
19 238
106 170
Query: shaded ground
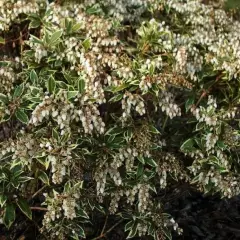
202 218
207 218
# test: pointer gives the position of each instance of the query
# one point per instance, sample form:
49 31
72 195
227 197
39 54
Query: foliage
112 114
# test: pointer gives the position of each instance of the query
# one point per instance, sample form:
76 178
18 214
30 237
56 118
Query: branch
39 208
102 235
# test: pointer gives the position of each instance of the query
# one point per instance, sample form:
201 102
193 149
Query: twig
39 208
165 122
205 92
108 231
104 226
36 193
200 99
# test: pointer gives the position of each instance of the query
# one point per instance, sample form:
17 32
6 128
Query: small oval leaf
33 76
187 145
21 116
81 85
55 37
24 207
72 94
43 177
151 162
3 98
18 91
51 85
9 215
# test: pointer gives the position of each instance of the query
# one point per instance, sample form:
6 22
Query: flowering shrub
112 114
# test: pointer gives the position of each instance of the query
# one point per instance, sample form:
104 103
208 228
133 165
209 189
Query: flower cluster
11 9
68 206
123 9
167 105
208 114
61 205
132 101
7 78
169 165
107 103
143 197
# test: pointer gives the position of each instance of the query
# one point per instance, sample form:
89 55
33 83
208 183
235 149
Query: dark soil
202 218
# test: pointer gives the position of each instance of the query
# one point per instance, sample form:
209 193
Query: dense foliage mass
110 102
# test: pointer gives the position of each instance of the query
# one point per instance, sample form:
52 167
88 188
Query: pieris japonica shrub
112 114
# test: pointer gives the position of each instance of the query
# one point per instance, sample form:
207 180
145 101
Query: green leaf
23 179
3 200
21 116
189 103
218 129
76 27
231 4
152 129
65 137
140 170
82 213
86 43
221 145
43 177
94 9
35 100
62 84
68 25
68 77
5 63
2 40
151 230
114 131
116 98
128 226
72 94
44 161
141 159
36 40
153 188
187 145
9 215
81 232
33 76
199 142
167 234
120 88
58 63
55 37
111 138
200 126
55 135
214 160
81 85
71 88
34 23
128 134
151 162
100 208
67 187
3 98
51 84
151 69
133 231
18 91
133 88
24 206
